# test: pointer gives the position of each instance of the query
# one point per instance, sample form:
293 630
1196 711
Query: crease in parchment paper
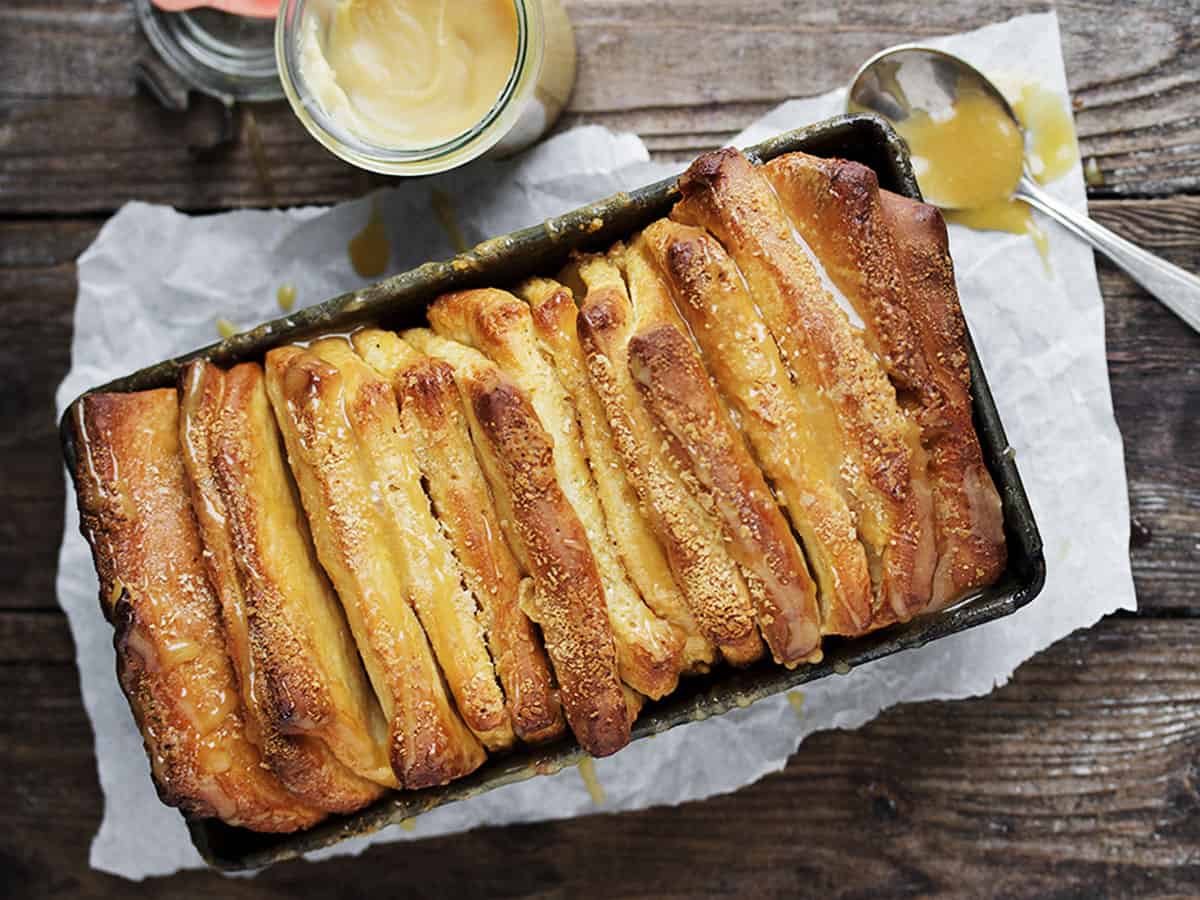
154 282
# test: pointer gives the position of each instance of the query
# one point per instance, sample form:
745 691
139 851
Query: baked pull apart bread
788 443
568 600
555 320
712 585
433 579
171 652
306 696
967 508
322 412
839 381
370 560
649 650
889 257
676 388
432 415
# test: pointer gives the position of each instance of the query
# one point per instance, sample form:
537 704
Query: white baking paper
155 281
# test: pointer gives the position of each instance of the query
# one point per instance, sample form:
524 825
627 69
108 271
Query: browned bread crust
713 587
967 508
891 261
554 317
649 650
668 371
567 600
834 206
679 394
431 575
301 681
883 471
171 654
677 390
793 453
432 415
429 744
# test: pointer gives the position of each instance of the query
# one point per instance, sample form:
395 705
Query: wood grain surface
1081 778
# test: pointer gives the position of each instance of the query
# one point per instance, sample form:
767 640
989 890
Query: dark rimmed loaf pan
401 300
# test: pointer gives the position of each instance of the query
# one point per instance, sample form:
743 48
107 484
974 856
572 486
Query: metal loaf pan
400 301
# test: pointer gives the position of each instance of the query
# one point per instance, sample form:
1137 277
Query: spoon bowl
967 143
908 80
900 80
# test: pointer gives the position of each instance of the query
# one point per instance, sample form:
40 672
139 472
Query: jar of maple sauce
411 87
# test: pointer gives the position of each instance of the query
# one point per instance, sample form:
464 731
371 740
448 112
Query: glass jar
222 54
536 92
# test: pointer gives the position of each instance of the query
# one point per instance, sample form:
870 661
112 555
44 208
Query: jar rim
461 148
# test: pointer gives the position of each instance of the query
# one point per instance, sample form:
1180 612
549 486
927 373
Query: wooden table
1080 778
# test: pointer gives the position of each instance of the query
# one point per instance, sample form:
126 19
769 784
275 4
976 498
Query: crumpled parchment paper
155 281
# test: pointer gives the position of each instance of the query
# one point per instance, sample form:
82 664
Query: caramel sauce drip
370 249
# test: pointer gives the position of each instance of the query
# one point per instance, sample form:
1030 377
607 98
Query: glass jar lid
225 55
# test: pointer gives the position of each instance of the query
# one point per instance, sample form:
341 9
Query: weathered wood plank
1057 784
36 637
1154 370
37 302
686 74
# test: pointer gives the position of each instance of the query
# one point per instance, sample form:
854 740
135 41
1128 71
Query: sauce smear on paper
587 771
285 296
370 249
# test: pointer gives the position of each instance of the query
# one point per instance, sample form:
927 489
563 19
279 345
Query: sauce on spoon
968 159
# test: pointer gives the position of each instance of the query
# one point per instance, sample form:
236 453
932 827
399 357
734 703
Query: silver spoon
908 77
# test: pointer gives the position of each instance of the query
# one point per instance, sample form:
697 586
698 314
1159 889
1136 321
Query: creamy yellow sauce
406 74
969 156
796 701
1013 216
587 771
370 249
969 160
285 296
1051 148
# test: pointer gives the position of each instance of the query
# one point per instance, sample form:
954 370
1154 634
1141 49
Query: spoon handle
1176 289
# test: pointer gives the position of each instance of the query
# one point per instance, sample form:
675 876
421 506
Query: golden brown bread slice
796 456
171 656
429 744
838 379
649 650
891 261
713 587
432 416
967 509
306 696
431 575
834 206
554 321
567 600
668 371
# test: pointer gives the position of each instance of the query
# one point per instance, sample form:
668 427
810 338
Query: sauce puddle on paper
370 249
796 701
587 771
285 296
